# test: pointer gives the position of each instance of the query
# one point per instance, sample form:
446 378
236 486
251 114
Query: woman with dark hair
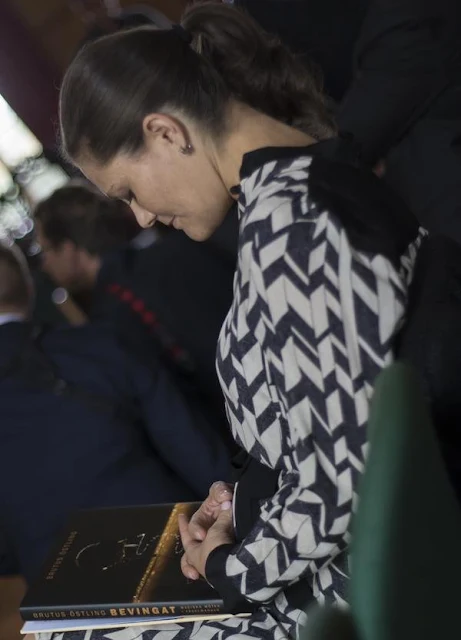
181 124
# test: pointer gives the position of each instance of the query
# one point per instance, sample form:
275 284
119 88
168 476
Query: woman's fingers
221 492
189 544
206 515
208 512
188 570
201 521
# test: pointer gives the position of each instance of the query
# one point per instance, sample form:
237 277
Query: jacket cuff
215 570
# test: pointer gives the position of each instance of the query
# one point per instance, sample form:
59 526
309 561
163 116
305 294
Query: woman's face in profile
162 183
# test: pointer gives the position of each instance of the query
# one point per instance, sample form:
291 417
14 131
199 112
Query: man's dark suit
58 453
400 97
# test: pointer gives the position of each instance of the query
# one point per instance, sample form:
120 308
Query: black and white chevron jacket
326 255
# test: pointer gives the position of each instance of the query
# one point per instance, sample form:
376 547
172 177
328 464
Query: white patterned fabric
312 324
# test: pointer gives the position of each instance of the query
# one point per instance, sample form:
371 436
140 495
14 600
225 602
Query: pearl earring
187 150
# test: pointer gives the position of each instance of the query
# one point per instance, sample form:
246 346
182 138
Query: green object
406 549
329 623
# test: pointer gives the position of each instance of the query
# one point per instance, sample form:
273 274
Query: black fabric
215 571
407 54
254 483
425 167
341 149
376 220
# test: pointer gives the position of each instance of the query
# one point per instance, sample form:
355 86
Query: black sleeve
234 601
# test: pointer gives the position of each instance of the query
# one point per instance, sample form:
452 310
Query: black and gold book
120 563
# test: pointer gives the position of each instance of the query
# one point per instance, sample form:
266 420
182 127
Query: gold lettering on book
61 555
93 613
142 611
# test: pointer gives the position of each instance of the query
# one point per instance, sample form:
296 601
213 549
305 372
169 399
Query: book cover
120 563
36 627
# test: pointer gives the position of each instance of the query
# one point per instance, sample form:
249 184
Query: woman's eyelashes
128 198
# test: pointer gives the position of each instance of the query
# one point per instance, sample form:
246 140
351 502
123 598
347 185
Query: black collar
340 149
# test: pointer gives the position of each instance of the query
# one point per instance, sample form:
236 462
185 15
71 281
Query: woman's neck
249 130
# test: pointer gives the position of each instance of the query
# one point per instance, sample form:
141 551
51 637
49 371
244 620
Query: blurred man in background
166 301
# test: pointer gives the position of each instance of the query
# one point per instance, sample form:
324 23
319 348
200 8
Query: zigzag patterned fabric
311 326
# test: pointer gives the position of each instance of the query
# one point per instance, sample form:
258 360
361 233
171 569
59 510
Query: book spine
166 610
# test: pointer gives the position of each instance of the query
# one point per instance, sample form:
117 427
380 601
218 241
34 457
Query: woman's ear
164 129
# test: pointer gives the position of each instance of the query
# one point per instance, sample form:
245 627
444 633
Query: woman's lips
168 221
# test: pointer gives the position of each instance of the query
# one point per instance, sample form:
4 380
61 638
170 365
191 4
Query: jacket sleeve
321 346
399 70
180 432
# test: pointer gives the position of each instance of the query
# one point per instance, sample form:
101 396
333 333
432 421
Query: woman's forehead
107 177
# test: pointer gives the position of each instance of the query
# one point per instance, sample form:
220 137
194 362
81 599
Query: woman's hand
220 494
204 518
193 562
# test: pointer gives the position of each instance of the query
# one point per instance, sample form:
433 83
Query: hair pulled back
114 82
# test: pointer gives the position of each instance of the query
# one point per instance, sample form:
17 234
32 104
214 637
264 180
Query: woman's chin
197 234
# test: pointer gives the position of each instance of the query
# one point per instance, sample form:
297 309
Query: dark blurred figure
323 32
166 301
405 104
399 97
84 425
105 16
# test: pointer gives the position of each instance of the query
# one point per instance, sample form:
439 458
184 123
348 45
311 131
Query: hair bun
185 35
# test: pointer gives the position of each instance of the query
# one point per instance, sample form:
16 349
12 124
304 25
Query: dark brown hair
15 289
88 219
113 83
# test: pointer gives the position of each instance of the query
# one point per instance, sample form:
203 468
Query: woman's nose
145 218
